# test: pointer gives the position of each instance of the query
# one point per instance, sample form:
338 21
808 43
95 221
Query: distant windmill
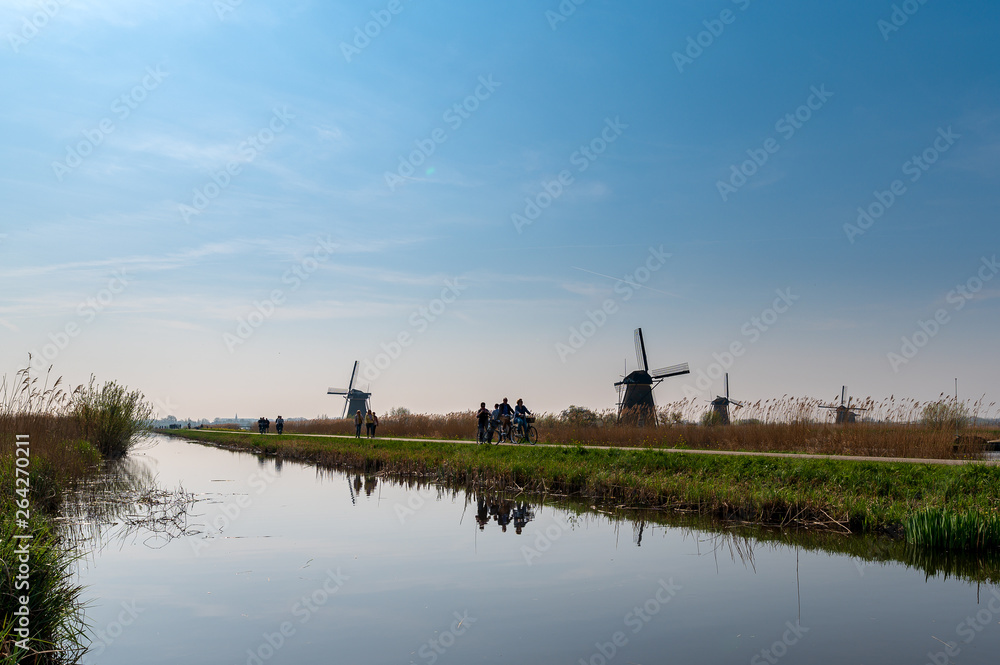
354 399
720 405
845 413
635 391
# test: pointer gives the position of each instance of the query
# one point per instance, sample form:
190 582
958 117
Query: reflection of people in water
494 508
370 483
522 515
503 511
482 512
357 485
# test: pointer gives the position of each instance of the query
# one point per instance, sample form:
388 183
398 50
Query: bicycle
484 435
501 431
526 432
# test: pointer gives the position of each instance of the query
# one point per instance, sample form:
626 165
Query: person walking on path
368 424
374 424
279 424
358 419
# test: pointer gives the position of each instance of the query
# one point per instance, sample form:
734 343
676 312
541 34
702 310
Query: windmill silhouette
635 391
354 399
720 405
845 413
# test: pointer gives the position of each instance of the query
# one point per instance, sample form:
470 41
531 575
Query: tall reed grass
54 618
69 433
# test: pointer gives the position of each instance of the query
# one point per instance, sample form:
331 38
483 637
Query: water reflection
124 503
497 508
501 509
742 541
569 579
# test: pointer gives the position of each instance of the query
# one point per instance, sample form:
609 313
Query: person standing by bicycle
483 418
520 411
505 411
494 423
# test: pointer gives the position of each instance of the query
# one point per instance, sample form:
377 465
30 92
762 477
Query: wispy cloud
171 261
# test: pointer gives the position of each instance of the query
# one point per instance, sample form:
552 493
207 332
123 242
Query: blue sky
225 204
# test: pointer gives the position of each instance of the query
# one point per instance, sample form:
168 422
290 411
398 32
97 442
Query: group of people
369 420
264 425
500 418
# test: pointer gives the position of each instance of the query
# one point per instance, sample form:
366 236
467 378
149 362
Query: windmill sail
673 370
640 351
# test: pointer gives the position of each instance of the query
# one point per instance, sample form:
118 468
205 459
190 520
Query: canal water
265 562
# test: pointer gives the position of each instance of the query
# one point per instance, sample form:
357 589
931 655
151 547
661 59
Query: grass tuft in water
944 529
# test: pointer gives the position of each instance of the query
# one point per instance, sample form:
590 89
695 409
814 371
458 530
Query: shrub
711 418
945 415
111 417
579 416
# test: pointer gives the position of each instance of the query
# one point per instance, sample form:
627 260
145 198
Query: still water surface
288 563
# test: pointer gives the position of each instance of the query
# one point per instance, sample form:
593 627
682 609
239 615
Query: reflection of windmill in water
845 413
720 405
635 391
354 399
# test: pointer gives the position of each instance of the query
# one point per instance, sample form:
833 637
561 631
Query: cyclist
520 411
483 417
506 411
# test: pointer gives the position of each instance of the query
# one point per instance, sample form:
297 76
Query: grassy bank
860 497
897 428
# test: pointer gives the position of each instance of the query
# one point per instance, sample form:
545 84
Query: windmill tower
845 413
354 399
720 405
635 391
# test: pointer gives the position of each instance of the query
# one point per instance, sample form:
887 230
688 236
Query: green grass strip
863 496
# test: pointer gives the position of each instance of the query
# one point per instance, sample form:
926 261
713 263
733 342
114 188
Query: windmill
720 405
635 391
354 399
845 413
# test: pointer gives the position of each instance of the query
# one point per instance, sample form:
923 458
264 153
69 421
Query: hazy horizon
226 203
